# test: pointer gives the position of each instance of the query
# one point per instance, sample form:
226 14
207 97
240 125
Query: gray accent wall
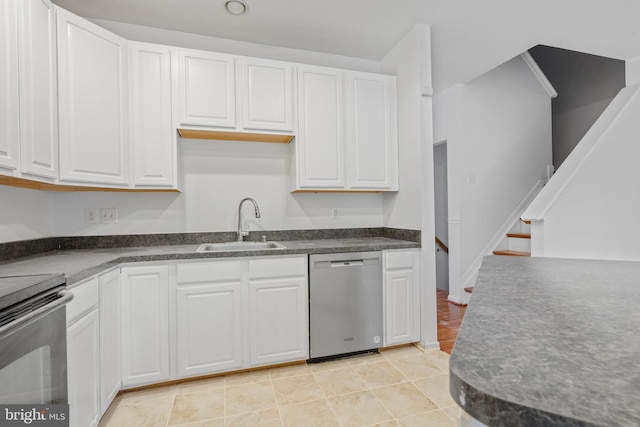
586 84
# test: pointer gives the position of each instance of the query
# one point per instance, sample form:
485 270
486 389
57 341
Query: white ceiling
469 37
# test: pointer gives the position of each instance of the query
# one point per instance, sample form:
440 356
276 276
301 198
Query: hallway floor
398 387
449 319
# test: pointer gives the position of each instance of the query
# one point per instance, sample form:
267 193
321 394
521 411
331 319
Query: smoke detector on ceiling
236 7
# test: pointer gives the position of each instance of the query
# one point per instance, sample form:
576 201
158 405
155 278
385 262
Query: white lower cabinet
110 348
401 296
208 317
240 313
145 325
83 355
278 310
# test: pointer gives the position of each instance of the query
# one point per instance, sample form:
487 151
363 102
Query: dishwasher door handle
347 263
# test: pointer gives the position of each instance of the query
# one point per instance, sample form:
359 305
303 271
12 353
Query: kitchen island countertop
548 342
79 264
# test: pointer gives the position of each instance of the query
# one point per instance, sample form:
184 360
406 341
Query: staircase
516 243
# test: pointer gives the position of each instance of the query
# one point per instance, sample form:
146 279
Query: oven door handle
63 298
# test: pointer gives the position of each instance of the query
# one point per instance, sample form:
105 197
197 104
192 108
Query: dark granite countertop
79 264
550 342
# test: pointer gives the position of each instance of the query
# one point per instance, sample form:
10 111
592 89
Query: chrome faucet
242 233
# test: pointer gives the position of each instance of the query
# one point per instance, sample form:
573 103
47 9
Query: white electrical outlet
109 215
90 215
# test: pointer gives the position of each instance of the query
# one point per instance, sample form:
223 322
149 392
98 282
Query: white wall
498 132
412 207
215 176
25 214
506 135
405 60
235 47
571 125
632 71
593 211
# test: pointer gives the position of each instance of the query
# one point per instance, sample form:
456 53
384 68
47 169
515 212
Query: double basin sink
239 246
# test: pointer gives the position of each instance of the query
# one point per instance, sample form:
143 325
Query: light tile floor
399 387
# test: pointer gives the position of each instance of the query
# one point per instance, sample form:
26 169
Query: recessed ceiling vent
236 7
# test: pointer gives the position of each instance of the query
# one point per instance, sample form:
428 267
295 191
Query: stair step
512 253
469 289
520 235
525 221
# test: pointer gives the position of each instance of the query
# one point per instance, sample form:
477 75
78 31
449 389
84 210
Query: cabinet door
92 102
209 328
145 325
372 134
206 89
401 298
9 95
110 347
320 139
38 89
153 137
209 316
83 357
278 310
266 90
83 354
279 320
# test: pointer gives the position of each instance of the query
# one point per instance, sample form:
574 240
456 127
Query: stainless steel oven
33 347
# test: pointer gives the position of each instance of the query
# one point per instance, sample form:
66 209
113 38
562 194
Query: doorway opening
441 215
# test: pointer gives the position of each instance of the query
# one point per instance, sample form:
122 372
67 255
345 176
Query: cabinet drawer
85 299
278 267
395 260
217 271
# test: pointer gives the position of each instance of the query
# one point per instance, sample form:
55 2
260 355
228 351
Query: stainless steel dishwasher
345 303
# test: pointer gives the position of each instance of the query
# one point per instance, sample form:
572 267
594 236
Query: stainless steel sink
239 246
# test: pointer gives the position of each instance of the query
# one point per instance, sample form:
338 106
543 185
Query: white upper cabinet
93 100
38 88
9 94
28 89
215 92
347 131
205 85
153 138
320 139
371 131
266 94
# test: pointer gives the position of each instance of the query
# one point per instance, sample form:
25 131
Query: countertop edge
496 412
80 276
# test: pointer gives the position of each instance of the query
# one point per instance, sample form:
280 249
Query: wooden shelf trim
234 136
337 191
44 186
